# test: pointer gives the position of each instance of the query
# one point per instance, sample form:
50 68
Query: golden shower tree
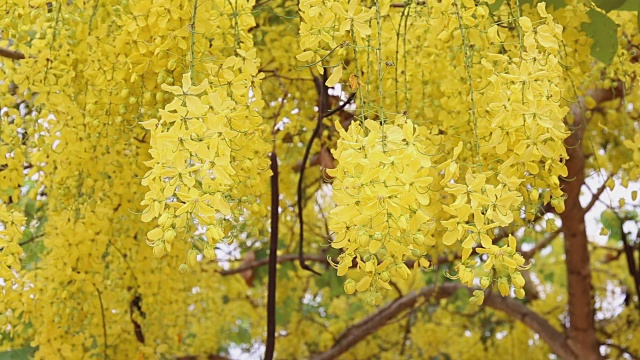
373 179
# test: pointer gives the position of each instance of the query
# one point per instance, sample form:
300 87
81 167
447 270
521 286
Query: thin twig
31 240
279 76
595 196
341 106
622 349
104 323
322 103
407 332
541 245
631 261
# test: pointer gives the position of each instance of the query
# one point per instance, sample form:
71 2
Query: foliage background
432 152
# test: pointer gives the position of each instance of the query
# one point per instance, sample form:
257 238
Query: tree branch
622 349
340 107
321 258
631 261
372 323
541 245
206 357
582 334
322 105
11 54
280 259
273 258
595 196
407 332
135 306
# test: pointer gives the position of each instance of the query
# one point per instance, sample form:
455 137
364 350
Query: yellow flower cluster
510 154
208 153
522 112
633 145
382 191
90 76
13 223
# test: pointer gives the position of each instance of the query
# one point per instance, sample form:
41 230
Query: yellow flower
359 22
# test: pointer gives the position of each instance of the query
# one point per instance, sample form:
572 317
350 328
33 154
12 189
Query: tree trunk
581 328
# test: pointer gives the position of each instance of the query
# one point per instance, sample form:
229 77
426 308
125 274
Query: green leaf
8 191
604 33
613 223
355 308
241 336
557 4
636 7
495 6
260 273
630 5
284 311
460 299
608 5
32 251
524 2
30 210
330 280
286 269
24 353
610 220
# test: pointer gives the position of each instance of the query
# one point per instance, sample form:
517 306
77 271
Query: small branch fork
596 196
322 113
281 259
541 245
372 323
634 270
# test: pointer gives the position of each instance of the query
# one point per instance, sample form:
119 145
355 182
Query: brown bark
207 357
11 54
372 323
581 329
262 262
321 258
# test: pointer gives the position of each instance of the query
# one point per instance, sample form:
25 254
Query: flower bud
192 257
517 280
169 235
209 252
350 286
158 249
503 286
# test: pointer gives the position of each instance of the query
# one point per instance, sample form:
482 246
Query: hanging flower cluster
10 234
519 110
208 152
382 190
513 110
